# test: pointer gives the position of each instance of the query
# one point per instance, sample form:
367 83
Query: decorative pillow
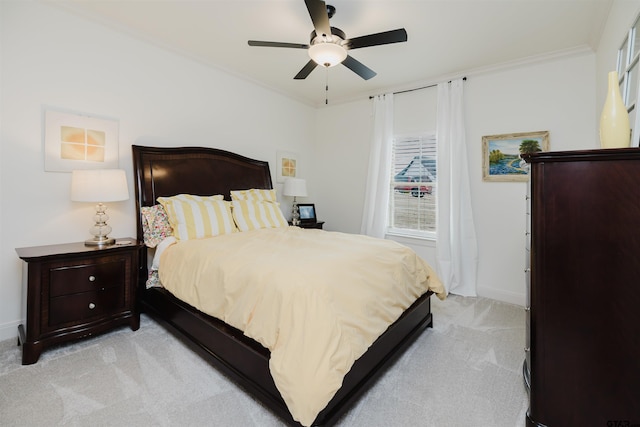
155 225
252 215
195 217
254 194
192 197
153 281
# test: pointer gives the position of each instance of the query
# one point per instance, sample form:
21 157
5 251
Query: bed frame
206 171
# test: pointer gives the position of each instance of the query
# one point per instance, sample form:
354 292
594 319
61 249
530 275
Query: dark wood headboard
202 171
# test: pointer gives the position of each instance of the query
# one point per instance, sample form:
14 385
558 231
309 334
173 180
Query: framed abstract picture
287 166
79 141
501 159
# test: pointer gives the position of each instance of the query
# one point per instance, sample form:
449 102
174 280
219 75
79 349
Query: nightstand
318 225
74 291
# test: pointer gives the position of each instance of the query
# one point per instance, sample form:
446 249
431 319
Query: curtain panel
375 212
457 247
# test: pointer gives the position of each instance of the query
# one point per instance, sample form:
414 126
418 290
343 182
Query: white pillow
196 217
252 215
162 246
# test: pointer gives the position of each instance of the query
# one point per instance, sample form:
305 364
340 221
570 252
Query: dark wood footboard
247 362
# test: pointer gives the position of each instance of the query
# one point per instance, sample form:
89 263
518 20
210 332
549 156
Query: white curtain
374 215
457 249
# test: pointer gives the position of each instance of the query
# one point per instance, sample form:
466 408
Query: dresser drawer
84 305
86 277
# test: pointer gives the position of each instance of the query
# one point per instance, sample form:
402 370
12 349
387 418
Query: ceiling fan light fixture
327 54
328 45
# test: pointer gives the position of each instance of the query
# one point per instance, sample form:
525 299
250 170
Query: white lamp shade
99 185
327 54
296 187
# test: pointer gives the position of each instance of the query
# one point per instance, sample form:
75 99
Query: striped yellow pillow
252 215
192 197
195 217
254 194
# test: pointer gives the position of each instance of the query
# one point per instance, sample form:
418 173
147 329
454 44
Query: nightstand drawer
87 277
71 308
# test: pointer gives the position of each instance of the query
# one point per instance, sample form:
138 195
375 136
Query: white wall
555 95
51 57
621 17
339 170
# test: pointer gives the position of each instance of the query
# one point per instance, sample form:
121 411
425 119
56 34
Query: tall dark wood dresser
582 362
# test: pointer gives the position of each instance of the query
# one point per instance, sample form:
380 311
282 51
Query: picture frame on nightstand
307 213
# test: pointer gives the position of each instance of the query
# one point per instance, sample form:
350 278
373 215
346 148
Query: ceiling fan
329 45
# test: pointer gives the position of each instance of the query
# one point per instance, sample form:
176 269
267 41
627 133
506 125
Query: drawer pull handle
92 278
91 306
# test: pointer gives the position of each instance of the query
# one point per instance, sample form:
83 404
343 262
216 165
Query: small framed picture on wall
286 165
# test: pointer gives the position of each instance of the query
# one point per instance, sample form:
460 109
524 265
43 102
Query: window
412 199
627 67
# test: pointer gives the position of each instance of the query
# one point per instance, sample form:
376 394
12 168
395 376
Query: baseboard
502 295
9 330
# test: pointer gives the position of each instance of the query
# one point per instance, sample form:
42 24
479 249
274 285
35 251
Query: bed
165 172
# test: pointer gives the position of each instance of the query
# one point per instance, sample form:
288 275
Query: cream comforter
316 299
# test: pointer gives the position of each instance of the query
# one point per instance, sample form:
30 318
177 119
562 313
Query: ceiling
446 38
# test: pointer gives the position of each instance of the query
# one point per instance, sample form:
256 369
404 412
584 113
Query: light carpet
465 371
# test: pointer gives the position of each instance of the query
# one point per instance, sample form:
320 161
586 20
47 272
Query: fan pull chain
326 86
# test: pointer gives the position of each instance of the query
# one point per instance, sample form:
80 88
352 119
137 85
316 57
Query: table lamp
296 187
99 185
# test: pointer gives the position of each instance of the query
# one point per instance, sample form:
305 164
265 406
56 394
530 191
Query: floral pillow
155 225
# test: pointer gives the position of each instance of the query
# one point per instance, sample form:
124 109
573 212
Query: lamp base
108 241
100 229
295 213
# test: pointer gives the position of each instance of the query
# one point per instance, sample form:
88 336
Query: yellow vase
614 121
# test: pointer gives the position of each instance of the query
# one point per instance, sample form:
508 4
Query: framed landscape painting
501 159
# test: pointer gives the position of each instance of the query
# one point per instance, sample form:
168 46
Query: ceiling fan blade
306 70
386 37
278 44
319 16
359 68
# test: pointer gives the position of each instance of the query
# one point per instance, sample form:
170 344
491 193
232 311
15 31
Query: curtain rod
464 79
